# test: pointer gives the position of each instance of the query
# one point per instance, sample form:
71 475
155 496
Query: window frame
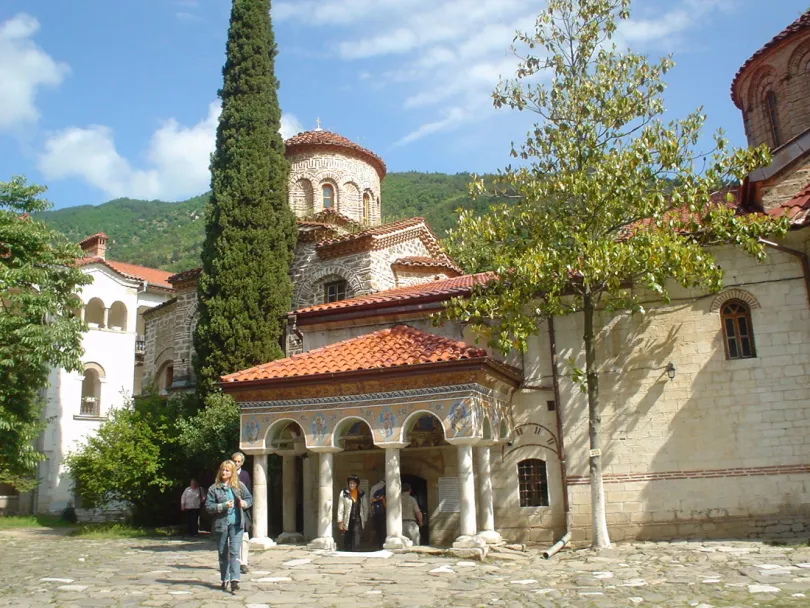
332 198
531 471
738 336
366 207
773 117
339 285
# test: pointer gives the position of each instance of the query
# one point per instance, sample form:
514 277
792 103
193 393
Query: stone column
486 511
393 499
310 465
468 542
106 321
81 313
325 539
260 541
290 536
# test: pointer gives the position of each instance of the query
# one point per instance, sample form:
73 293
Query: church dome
318 138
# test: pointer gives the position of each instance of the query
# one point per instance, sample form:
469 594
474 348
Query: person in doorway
411 514
190 503
352 513
378 513
244 477
227 501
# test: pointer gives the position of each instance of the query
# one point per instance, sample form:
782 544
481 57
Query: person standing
190 503
378 508
411 514
244 553
352 513
227 501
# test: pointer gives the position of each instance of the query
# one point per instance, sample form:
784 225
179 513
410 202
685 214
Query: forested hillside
169 235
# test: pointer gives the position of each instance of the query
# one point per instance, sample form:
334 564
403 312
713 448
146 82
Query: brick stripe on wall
699 474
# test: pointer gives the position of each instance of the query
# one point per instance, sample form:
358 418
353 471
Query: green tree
608 196
38 285
212 434
244 289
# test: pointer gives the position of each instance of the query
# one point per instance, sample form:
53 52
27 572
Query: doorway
419 490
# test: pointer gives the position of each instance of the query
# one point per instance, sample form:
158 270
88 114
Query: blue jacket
215 505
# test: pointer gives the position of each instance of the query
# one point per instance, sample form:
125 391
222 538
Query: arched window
773 119
94 313
165 378
533 483
328 196
91 392
738 333
118 316
334 291
366 207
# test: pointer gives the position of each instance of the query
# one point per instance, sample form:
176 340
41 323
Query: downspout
566 537
802 258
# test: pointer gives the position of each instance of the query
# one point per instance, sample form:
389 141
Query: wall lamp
670 370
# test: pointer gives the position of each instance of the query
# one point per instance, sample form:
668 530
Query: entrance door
420 493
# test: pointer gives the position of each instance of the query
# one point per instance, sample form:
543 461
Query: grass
33 521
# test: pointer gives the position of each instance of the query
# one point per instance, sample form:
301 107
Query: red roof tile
389 348
417 261
377 236
797 209
445 288
322 138
185 275
152 275
93 238
802 23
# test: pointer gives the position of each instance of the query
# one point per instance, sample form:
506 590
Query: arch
165 377
350 201
307 292
504 429
367 203
353 433
94 312
90 404
771 108
734 294
97 368
486 429
763 79
413 418
302 197
283 431
738 331
533 483
118 316
329 195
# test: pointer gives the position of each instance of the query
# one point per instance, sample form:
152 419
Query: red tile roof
443 289
797 209
380 236
802 23
417 261
153 276
389 348
93 237
185 275
322 138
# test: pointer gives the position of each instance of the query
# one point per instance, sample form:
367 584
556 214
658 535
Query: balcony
140 347
89 407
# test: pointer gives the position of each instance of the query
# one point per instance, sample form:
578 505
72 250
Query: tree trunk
601 539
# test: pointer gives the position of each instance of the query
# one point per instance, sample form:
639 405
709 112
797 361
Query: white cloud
24 69
290 126
448 55
177 158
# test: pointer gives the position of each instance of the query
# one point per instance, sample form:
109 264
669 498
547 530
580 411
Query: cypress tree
244 289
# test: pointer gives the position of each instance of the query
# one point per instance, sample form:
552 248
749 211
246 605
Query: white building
77 403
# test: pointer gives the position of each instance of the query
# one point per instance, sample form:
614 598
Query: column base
290 538
323 543
261 544
469 547
397 542
490 537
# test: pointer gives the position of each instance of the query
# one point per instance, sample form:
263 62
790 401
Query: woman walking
227 500
352 513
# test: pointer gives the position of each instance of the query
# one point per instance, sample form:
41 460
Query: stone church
706 401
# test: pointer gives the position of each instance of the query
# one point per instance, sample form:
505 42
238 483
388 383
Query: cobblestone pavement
44 568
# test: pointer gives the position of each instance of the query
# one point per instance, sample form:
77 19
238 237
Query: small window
366 207
737 330
334 291
533 483
328 196
770 101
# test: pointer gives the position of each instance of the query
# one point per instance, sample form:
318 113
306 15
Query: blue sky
104 99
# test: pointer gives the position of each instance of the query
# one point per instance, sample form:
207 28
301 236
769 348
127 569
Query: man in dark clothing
378 508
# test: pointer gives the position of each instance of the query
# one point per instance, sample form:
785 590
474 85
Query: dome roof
801 24
327 139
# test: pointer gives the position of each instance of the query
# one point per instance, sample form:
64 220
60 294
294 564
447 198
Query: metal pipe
802 258
557 546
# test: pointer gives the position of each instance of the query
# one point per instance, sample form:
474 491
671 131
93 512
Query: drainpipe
802 258
552 343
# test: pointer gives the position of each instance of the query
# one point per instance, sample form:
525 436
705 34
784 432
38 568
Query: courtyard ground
42 567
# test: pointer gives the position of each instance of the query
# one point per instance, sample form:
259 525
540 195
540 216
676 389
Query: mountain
169 235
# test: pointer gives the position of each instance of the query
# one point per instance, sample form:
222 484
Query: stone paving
45 568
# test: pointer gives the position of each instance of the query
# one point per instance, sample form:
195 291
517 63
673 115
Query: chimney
95 246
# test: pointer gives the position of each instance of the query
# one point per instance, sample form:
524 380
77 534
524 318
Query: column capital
256 451
396 445
488 443
325 450
464 441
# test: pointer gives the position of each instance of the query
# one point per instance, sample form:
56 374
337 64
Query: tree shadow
190 582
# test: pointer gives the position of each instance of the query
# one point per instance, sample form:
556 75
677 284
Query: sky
101 99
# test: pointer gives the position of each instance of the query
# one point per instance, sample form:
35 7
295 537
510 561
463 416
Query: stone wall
350 175
784 186
782 70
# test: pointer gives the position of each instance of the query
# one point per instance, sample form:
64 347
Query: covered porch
398 403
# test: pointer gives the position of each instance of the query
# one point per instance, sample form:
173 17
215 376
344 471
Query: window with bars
334 291
773 118
533 483
738 333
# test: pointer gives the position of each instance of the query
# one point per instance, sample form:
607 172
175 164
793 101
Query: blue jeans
228 547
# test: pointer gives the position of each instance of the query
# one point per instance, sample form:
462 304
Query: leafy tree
38 285
212 434
608 196
244 289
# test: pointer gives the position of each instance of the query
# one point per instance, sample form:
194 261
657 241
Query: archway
118 316
419 490
94 313
91 391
